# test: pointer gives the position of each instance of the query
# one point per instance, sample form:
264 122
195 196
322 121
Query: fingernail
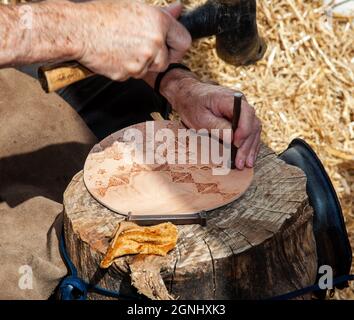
250 161
241 164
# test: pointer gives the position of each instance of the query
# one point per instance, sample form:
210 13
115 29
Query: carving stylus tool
148 220
235 120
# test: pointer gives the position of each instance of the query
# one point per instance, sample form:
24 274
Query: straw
303 87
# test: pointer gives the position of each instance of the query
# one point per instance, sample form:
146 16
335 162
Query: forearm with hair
55 31
39 32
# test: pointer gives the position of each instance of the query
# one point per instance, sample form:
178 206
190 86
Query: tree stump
257 247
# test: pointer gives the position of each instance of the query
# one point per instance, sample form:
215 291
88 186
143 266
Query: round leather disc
115 176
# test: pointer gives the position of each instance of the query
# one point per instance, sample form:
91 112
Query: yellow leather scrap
130 238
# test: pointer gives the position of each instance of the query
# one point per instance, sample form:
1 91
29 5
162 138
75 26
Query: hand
209 106
126 38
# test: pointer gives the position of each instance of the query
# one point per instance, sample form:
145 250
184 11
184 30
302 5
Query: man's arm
39 32
118 39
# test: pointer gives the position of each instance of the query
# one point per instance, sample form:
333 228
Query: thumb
178 39
175 9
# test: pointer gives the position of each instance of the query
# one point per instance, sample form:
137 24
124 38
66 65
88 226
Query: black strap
73 287
161 75
315 287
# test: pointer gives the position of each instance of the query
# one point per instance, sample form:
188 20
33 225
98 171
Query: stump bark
259 246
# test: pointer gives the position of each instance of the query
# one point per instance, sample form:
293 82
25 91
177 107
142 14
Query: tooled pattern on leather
175 171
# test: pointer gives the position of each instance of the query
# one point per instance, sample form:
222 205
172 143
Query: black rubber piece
333 247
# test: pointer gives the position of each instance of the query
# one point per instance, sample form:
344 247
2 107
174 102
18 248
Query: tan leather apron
43 143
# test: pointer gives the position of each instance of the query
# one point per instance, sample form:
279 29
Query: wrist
175 82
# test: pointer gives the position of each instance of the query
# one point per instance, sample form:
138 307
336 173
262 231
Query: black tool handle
235 120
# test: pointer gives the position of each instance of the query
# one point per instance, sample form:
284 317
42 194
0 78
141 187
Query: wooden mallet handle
56 76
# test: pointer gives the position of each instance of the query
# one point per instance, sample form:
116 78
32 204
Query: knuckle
161 67
148 53
242 134
162 15
133 69
257 125
247 130
163 64
252 111
115 76
161 60
186 42
158 41
138 75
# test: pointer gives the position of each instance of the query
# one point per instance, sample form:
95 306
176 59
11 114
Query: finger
259 143
259 140
142 73
178 40
160 63
226 102
221 124
253 152
243 151
174 9
246 122
257 151
212 82
205 119
143 70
